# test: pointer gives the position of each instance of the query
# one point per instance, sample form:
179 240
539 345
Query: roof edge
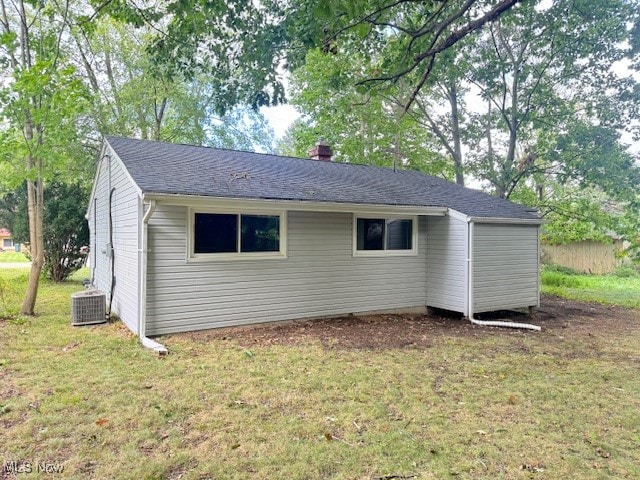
297 205
507 220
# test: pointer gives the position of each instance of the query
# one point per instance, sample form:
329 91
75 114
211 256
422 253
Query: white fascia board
292 205
457 215
112 156
508 221
115 156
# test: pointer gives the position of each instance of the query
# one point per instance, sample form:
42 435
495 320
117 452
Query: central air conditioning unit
88 307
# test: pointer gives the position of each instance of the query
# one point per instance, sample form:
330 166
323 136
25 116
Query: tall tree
42 100
247 45
361 126
541 73
134 97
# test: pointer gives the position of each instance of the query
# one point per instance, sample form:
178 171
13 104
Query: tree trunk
491 166
36 244
35 208
507 171
159 114
455 133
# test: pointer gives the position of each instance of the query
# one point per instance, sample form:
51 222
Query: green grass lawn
12 257
622 289
503 404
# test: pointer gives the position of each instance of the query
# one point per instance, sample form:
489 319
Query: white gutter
293 205
507 221
486 323
142 285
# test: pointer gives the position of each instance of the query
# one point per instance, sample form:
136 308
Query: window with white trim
385 236
236 235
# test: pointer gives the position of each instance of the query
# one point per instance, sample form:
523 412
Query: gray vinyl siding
99 230
446 263
125 240
319 277
505 267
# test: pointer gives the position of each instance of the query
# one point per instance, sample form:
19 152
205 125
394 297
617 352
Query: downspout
110 250
142 286
486 323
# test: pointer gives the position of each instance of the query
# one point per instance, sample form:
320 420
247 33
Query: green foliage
555 136
623 290
575 214
245 47
560 270
240 128
367 127
13 214
547 114
587 155
627 271
580 211
43 102
557 278
57 118
139 99
65 228
235 44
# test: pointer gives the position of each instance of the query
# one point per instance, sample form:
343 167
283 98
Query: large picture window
380 236
231 235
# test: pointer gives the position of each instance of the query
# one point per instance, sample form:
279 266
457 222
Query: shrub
65 229
554 278
561 269
626 271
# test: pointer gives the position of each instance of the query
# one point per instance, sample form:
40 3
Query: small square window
215 233
260 233
384 236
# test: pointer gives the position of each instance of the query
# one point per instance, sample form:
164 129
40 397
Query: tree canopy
246 46
361 126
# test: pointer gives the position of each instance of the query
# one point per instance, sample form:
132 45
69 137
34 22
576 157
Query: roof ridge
287 157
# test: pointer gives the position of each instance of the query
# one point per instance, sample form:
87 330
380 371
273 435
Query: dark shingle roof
165 168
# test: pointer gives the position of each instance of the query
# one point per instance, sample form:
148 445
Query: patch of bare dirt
556 316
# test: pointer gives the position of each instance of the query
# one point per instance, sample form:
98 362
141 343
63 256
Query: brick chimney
321 151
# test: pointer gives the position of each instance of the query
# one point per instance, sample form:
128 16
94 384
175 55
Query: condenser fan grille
88 307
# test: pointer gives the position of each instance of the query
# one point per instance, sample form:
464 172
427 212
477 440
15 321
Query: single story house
186 238
6 240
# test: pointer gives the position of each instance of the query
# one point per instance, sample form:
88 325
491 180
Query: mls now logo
14 468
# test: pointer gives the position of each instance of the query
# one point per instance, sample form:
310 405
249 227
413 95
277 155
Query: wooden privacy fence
586 256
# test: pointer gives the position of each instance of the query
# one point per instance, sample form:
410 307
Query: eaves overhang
291 205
